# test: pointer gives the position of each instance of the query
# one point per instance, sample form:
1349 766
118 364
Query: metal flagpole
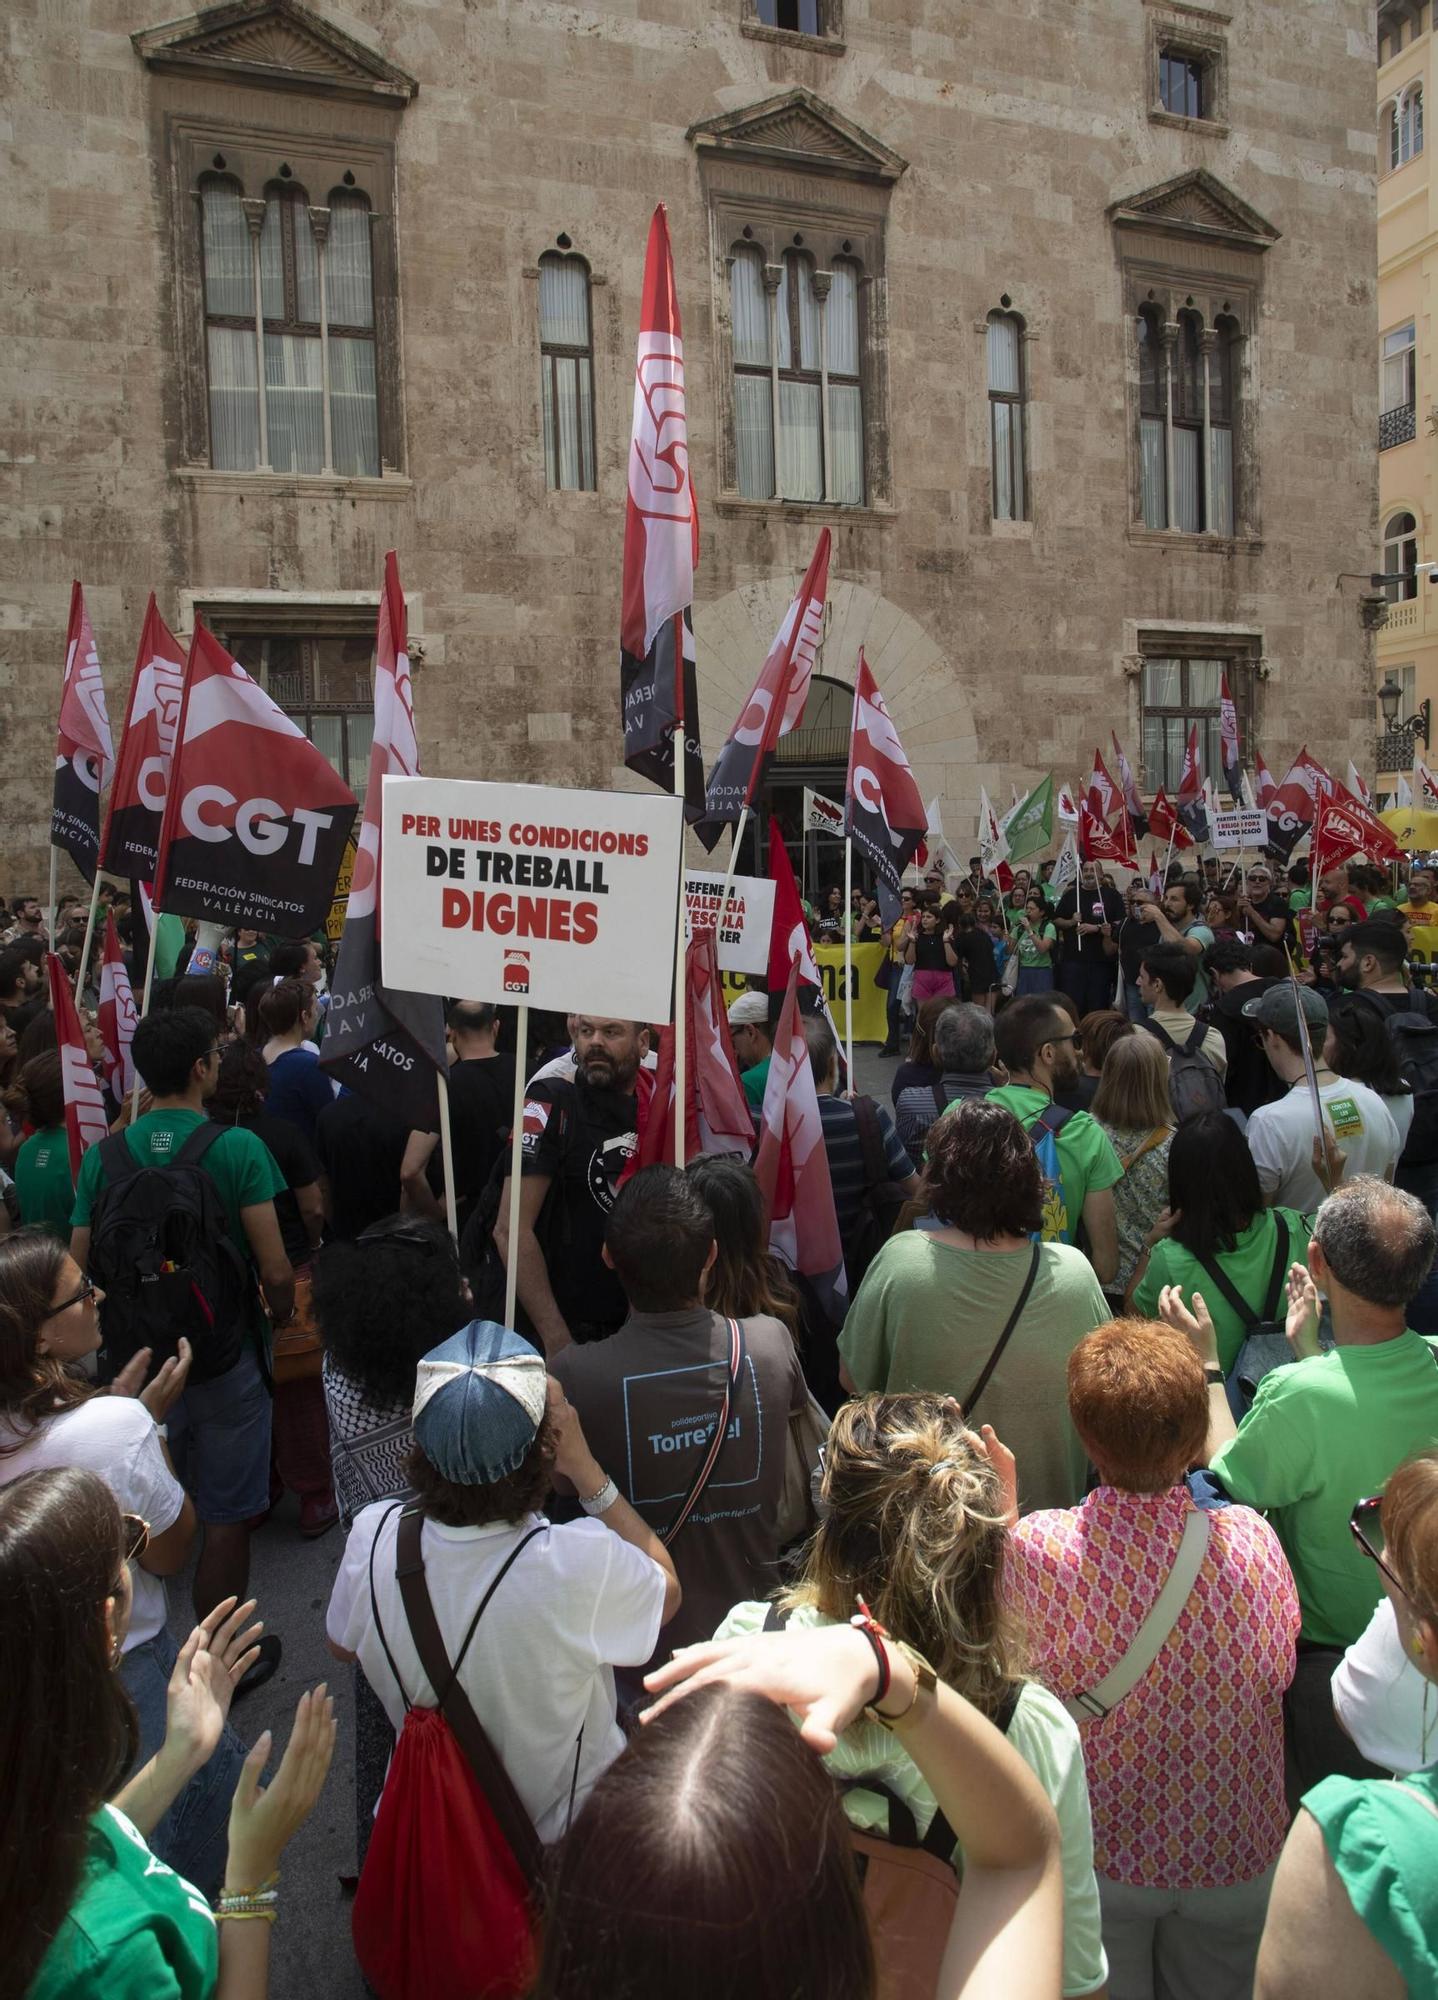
849 958
446 1153
516 1144
681 967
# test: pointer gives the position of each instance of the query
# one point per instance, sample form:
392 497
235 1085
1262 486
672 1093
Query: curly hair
520 1492
914 1524
382 1302
982 1175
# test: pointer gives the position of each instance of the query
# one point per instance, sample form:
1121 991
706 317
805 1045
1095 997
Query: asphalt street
311 1955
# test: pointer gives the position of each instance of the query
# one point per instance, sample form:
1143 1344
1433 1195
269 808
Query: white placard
743 944
1241 828
561 899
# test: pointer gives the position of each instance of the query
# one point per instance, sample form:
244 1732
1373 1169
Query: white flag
1066 868
1246 789
822 815
993 847
1402 792
1066 806
1358 785
1427 786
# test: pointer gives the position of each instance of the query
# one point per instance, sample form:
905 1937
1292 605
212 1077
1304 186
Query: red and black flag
388 1045
84 752
883 813
775 705
256 818
131 842
661 546
85 1124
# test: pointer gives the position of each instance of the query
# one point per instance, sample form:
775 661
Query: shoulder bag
1094 1703
1266 1345
721 1429
967 1403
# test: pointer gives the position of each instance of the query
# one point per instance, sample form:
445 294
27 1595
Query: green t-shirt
135 1931
1087 1160
1321 1436
926 1319
1383 1842
1248 1266
1045 1736
42 1181
755 1081
242 1167
1029 953
1200 992
1300 899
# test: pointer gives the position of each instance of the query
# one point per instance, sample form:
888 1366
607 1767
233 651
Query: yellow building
1408 356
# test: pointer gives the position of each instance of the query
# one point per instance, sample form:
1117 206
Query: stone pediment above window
1195 208
277 44
798 130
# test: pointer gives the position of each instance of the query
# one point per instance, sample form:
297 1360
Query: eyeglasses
81 1298
1065 1038
1365 1524
136 1532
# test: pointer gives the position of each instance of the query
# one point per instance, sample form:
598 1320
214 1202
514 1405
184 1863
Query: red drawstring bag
445 1908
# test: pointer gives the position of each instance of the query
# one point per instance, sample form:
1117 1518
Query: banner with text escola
531 893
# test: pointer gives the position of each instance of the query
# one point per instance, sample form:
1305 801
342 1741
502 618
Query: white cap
749 1010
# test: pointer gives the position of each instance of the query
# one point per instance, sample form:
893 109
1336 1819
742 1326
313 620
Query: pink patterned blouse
1186 1774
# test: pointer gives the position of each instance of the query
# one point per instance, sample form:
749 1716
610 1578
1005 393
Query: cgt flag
776 704
717 1118
1165 824
1189 799
386 1044
1098 842
1102 794
117 1016
85 1123
84 752
661 545
788 933
256 818
884 817
1345 827
792 1166
1294 804
131 843
1228 741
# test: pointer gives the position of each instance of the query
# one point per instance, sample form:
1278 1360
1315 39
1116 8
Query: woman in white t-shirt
50 1416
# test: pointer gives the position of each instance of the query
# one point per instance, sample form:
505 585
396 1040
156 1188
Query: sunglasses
1365 1524
81 1298
136 1533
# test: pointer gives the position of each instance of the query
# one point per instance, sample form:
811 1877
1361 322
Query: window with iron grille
323 680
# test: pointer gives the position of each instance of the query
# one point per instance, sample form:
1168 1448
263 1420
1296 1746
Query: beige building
1060 317
1408 386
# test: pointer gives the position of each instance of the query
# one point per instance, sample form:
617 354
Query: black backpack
1414 1035
1194 1084
883 1198
160 1250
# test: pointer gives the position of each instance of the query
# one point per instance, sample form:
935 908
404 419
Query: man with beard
1034 1040
1371 963
577 1138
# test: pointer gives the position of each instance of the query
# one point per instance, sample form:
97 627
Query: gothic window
1187 412
798 391
1400 557
1004 348
566 371
1403 127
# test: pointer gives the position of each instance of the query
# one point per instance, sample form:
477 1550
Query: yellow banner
871 1022
335 921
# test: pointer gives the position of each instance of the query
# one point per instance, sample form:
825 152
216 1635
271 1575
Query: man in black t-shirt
1135 937
1268 915
361 1148
975 951
577 1139
481 1111
1086 918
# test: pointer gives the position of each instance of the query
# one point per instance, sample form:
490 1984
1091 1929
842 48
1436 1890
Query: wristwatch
1213 1375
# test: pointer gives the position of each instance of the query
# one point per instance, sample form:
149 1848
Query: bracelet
864 1621
924 1678
239 1916
602 1501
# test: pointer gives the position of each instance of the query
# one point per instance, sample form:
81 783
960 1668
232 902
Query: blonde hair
1132 1089
914 1525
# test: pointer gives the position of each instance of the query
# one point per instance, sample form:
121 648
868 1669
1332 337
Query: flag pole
849 959
89 936
50 911
1173 829
144 1010
681 969
733 864
446 1153
516 1144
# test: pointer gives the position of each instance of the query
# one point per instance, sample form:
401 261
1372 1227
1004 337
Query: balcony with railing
1398 426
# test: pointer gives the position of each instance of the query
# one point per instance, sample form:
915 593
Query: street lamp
1397 745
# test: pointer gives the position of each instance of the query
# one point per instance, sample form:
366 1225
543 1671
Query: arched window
567 372
1405 126
1400 557
1005 354
292 383
798 394
1188 410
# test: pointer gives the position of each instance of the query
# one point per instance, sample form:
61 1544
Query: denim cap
479 1399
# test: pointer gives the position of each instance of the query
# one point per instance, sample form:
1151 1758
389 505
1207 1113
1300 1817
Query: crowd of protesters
1055 1615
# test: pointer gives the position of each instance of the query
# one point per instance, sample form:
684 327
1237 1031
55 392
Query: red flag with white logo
1132 797
117 1016
884 814
1102 794
84 751
776 703
85 1124
789 933
1343 828
661 544
387 1044
256 818
1266 786
1165 824
1427 786
1294 804
792 1166
717 1118
1155 873
1098 842
131 842
1228 741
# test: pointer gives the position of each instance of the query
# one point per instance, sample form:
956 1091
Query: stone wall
1003 649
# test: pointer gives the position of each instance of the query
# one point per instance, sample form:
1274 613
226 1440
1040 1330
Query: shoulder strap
1052 1119
775 1618
1229 1291
454 1704
1414 1793
1159 1034
941 1099
716 1442
969 1401
1150 1638
1280 1266
193 1152
1196 1038
1155 1138
374 1606
871 1142
117 1160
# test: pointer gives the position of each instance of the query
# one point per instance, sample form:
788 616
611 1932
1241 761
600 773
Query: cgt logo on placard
516 972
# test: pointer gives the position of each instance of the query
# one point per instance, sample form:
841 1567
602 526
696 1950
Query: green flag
1032 826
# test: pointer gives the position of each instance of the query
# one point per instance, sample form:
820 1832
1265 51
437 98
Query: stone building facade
1062 318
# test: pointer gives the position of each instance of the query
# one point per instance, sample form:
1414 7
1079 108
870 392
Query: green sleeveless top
1382 1839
